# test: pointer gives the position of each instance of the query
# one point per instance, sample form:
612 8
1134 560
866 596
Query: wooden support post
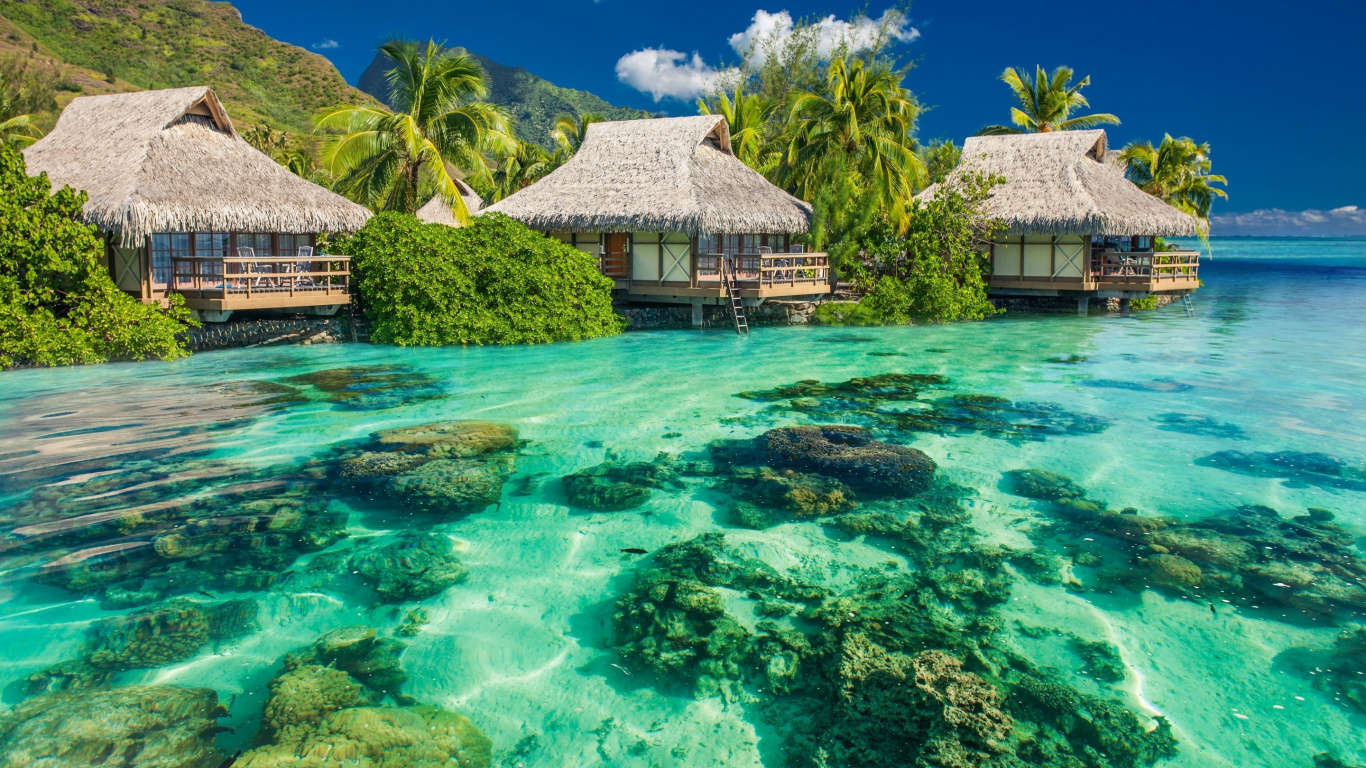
697 313
1083 305
1124 307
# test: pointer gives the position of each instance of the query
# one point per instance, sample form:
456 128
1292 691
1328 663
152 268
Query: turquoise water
1269 358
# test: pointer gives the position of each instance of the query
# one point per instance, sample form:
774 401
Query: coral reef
1252 554
414 566
139 726
370 387
893 709
1345 674
325 709
1194 424
899 668
893 401
171 632
153 637
1302 469
135 536
851 456
792 494
446 468
413 622
614 486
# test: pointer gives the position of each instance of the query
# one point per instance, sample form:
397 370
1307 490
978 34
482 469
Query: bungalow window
260 243
167 246
709 244
208 245
289 245
750 243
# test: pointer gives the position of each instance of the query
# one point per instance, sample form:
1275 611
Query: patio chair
304 263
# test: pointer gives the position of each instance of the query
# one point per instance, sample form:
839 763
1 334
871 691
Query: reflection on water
1032 541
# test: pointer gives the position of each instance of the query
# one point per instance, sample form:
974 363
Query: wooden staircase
737 307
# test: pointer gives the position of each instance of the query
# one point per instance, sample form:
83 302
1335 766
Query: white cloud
327 44
771 29
664 73
1339 222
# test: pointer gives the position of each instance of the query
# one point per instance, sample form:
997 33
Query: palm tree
387 159
1047 103
15 129
864 124
519 169
568 133
267 140
1176 171
747 118
19 131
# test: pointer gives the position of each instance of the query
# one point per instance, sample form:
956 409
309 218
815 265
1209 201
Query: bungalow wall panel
677 249
1069 260
1038 257
1007 260
127 268
645 256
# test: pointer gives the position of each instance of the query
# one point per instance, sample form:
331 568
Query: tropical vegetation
533 103
1046 103
492 281
396 160
1176 171
932 270
58 304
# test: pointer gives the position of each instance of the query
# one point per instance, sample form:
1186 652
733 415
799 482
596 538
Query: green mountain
140 44
533 101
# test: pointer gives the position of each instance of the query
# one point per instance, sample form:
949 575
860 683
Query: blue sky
1275 88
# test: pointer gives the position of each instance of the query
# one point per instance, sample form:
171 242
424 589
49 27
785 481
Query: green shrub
1147 302
491 282
935 271
58 305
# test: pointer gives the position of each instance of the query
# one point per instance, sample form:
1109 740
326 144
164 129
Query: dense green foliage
1047 103
397 160
58 305
533 103
934 271
1178 172
491 282
189 42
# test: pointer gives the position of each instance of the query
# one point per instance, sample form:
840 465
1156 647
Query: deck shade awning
673 174
1065 183
171 161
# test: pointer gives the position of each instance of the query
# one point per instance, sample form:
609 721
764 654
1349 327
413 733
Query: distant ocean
1319 249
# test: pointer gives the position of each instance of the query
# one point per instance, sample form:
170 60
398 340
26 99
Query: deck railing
767 270
1146 266
220 277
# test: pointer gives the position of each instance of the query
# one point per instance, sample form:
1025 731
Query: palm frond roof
674 174
1065 183
171 161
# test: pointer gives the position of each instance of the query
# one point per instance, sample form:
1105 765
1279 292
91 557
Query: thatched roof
438 211
672 174
1064 183
171 161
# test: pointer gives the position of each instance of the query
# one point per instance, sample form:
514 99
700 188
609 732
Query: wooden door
616 256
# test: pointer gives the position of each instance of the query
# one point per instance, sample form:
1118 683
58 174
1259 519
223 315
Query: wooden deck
233 283
758 276
1112 272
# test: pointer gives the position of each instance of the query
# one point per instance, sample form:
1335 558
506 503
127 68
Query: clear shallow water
1273 354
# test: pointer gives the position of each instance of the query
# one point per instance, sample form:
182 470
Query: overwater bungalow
1076 227
185 205
673 216
438 211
